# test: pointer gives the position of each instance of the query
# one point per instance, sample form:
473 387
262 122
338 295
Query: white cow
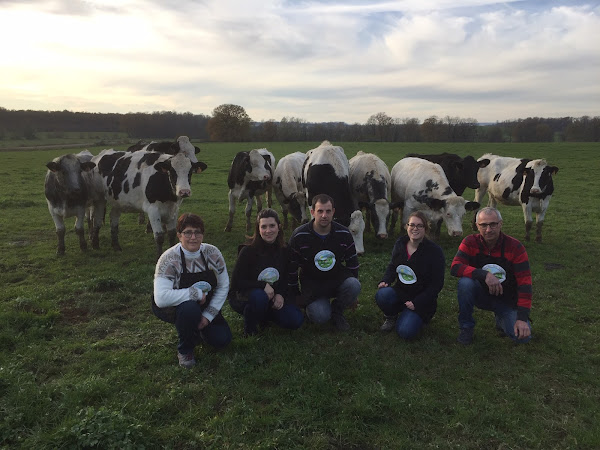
422 185
370 185
514 181
287 184
250 176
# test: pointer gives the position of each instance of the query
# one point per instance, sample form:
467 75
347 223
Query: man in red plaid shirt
494 274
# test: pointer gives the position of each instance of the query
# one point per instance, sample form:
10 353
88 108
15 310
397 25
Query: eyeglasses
418 226
491 225
188 234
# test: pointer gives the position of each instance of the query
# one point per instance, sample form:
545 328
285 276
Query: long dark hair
256 239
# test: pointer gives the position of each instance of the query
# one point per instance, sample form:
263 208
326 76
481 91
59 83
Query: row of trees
231 123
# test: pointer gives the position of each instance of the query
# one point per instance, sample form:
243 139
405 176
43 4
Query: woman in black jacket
418 267
259 280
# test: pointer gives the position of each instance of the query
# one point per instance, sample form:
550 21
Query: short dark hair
322 199
189 220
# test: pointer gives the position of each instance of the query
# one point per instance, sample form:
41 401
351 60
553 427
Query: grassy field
84 364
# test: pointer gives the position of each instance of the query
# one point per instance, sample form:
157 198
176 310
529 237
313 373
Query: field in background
84 363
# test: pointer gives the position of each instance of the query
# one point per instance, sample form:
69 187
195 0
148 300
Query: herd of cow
154 179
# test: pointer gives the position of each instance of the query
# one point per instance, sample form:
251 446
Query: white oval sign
496 270
269 275
406 275
325 260
203 286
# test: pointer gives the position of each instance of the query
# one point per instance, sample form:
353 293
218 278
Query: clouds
316 60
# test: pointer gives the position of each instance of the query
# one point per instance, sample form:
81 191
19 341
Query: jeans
409 323
320 310
258 310
471 293
188 315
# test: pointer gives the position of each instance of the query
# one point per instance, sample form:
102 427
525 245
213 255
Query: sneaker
186 360
466 336
340 322
389 323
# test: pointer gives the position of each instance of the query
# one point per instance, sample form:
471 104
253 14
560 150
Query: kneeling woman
418 267
259 280
190 287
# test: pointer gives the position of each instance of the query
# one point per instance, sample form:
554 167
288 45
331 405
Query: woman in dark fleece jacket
259 284
418 266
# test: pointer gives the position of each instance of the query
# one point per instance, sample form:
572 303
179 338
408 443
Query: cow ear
87 166
196 149
553 170
472 206
162 166
483 163
200 167
54 167
435 203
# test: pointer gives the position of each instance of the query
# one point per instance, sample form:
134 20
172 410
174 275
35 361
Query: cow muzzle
184 193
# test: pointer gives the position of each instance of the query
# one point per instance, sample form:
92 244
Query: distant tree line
231 123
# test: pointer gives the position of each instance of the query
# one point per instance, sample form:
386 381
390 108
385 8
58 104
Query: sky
319 61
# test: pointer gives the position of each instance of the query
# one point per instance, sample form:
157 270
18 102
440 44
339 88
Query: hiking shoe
340 322
466 336
186 360
389 323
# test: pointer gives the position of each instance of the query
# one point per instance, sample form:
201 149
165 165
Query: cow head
67 172
357 229
466 169
297 206
379 212
452 211
538 179
258 166
185 146
179 169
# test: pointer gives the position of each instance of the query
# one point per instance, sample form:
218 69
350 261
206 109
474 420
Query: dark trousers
188 315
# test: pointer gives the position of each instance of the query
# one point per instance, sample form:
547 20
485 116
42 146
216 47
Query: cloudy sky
315 60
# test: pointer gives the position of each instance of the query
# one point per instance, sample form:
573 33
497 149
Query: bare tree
381 124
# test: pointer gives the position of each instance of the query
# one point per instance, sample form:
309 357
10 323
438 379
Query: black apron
509 286
187 279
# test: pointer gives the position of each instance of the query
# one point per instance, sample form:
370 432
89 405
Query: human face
191 243
323 215
268 229
489 227
415 228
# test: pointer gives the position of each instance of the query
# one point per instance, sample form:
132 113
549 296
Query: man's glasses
188 234
491 225
418 226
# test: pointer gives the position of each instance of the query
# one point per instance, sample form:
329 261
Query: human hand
277 302
203 323
269 291
410 305
522 329
202 301
382 285
493 284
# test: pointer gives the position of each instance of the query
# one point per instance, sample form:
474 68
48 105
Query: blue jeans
258 310
409 323
471 293
188 316
320 310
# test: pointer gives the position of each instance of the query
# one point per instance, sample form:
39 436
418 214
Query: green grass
84 364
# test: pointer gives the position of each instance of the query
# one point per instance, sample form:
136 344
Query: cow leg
159 239
269 196
259 203
528 216
538 231
231 211
115 215
284 211
79 229
528 226
393 221
249 212
97 214
368 222
141 218
479 194
148 227
60 234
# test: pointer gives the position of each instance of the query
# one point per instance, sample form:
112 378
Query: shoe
186 360
466 336
389 323
340 322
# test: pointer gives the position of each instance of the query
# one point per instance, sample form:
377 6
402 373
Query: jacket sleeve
436 268
216 262
281 287
292 268
242 279
461 264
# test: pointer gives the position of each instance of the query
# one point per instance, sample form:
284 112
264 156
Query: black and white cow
69 191
326 171
181 145
149 182
250 175
287 184
422 185
514 181
370 185
460 172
